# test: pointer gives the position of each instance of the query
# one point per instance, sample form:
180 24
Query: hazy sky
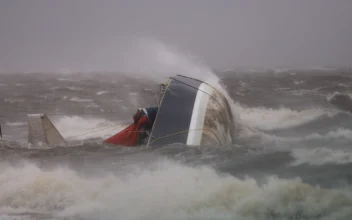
47 35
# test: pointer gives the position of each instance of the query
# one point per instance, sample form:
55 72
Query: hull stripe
198 115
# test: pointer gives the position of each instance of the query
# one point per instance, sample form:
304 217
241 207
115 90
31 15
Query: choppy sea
292 158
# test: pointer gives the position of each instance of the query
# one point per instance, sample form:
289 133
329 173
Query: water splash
155 59
165 190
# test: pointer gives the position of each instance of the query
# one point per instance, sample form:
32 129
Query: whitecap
269 118
320 156
76 99
16 123
102 92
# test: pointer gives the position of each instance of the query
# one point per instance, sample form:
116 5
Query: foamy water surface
291 160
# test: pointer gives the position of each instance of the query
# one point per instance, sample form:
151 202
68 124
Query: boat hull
192 112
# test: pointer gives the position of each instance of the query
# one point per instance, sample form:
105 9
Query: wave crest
156 193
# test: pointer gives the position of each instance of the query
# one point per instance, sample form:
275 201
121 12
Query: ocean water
292 158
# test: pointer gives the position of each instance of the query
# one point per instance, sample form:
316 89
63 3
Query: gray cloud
42 35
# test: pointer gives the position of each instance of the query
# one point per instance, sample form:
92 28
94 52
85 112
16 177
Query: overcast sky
48 35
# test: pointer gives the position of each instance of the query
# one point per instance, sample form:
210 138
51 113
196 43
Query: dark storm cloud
42 35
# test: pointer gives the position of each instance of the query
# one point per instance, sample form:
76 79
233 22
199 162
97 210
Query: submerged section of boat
42 132
192 112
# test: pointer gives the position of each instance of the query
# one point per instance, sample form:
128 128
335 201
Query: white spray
164 190
153 59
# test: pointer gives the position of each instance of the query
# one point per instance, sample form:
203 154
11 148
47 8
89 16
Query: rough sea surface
292 158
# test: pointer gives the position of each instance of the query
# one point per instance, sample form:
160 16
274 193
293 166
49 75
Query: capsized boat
190 112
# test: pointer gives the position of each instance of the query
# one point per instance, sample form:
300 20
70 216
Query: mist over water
291 159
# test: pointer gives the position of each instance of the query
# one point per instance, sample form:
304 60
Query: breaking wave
12 100
320 156
67 88
76 99
64 79
338 134
269 119
165 190
341 100
102 92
